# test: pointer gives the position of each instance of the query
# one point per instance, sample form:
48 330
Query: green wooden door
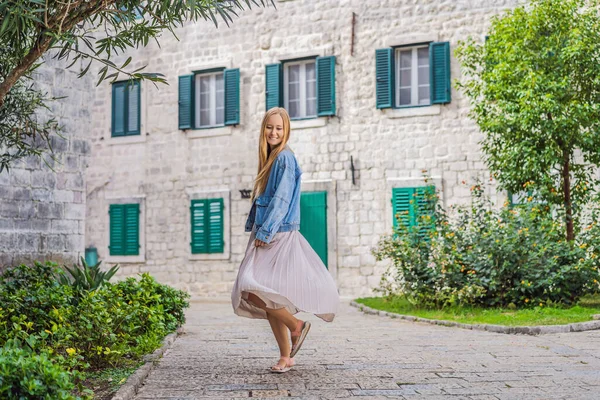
313 221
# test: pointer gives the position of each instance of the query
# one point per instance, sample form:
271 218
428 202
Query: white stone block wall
42 200
165 164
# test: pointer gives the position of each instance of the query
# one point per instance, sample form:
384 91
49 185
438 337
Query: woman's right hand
259 243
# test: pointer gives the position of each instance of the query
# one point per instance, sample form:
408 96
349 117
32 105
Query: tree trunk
65 19
34 54
567 195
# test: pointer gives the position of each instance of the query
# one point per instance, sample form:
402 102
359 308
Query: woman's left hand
259 243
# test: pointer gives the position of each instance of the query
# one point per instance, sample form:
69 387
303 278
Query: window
306 88
413 76
124 229
207 226
300 89
125 108
410 205
209 99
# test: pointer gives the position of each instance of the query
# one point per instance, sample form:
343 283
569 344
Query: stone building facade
42 201
357 157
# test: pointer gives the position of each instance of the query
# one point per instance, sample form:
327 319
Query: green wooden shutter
439 70
133 108
325 86
273 87
215 225
402 207
199 227
132 229
118 109
424 207
410 205
124 229
207 226
117 228
186 101
384 77
232 96
313 224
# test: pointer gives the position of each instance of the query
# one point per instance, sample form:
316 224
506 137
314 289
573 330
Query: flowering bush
491 257
76 329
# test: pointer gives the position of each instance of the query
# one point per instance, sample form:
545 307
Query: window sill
208 256
308 123
209 132
125 259
417 111
126 139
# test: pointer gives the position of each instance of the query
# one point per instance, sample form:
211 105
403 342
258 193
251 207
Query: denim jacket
277 209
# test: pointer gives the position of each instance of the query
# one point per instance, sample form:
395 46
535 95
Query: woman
281 274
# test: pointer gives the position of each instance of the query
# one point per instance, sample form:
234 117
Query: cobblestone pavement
222 356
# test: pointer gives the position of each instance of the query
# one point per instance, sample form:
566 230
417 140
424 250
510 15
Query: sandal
278 369
301 331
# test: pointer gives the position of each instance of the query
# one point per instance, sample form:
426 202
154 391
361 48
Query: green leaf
126 63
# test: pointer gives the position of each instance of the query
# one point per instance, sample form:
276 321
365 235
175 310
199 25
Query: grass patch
583 311
105 382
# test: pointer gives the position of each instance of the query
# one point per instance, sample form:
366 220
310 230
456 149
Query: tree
534 87
31 28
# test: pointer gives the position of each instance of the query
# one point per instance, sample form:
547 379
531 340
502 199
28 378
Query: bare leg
281 335
281 314
279 328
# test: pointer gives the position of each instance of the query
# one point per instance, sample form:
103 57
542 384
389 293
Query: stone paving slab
222 356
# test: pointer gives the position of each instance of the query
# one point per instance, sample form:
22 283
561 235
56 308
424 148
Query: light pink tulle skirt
285 273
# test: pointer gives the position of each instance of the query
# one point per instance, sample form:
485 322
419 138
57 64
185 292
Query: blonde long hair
266 156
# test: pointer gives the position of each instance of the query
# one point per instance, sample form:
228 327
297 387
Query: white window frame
414 79
303 98
212 100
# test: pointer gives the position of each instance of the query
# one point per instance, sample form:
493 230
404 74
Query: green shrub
26 375
86 277
126 319
32 300
82 328
491 257
147 291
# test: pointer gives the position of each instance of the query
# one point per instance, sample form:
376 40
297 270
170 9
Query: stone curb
135 380
511 330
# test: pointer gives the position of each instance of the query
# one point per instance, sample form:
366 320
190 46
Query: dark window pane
406 59
311 107
423 56
424 95
405 78
294 73
294 109
294 93
423 75
405 97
